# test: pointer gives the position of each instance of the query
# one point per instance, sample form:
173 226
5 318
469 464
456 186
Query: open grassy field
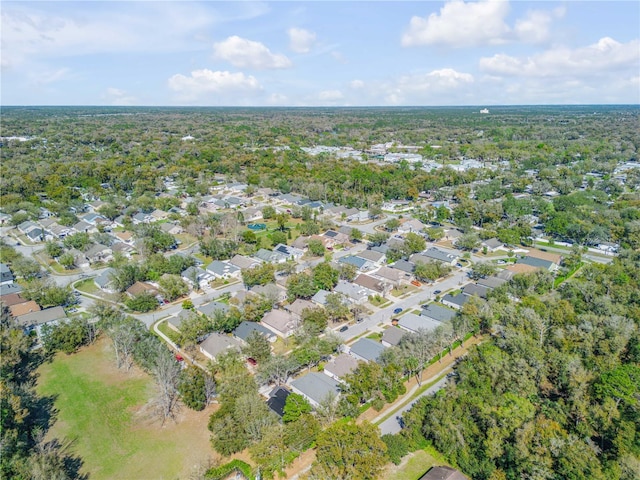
107 413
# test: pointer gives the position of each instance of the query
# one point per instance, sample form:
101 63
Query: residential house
243 262
56 230
171 228
6 275
12 299
92 218
84 227
437 313
472 289
105 282
492 282
80 260
175 322
252 214
366 350
434 253
414 225
443 473
193 275
379 286
141 217
123 248
354 293
492 245
340 366
291 253
391 336
320 298
8 289
360 263
280 322
537 263
455 301
210 309
99 253
220 269
157 215
139 288
217 344
316 388
555 258
336 237
373 256
298 306
278 399
125 237
406 267
270 256
34 321
391 275
36 235
23 308
271 291
413 323
245 329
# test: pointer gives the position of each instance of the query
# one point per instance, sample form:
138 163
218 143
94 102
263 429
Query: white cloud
535 27
43 31
301 40
48 76
243 53
597 59
207 82
460 24
339 57
356 84
330 95
115 96
432 87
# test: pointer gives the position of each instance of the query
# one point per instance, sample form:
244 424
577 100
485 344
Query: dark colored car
436 292
397 310
344 329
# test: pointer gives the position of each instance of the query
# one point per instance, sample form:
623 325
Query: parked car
252 361
179 357
344 328
437 292
397 310
416 283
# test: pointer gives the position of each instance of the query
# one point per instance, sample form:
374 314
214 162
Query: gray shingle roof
413 322
316 386
436 312
245 329
367 349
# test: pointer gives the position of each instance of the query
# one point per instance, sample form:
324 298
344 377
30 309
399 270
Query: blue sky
291 53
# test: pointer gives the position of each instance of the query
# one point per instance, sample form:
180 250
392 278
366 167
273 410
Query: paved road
424 295
392 424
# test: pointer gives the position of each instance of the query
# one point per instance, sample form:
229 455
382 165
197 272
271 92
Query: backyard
107 414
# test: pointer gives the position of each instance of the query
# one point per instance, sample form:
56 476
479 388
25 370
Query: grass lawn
414 465
164 327
88 286
106 412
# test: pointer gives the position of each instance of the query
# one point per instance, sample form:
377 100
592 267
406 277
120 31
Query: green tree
259 275
316 247
192 388
355 235
378 238
294 407
349 450
66 260
392 224
145 302
53 249
468 241
325 277
258 347
314 321
268 212
301 285
414 243
172 287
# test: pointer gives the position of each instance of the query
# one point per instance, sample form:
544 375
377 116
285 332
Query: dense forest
555 393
